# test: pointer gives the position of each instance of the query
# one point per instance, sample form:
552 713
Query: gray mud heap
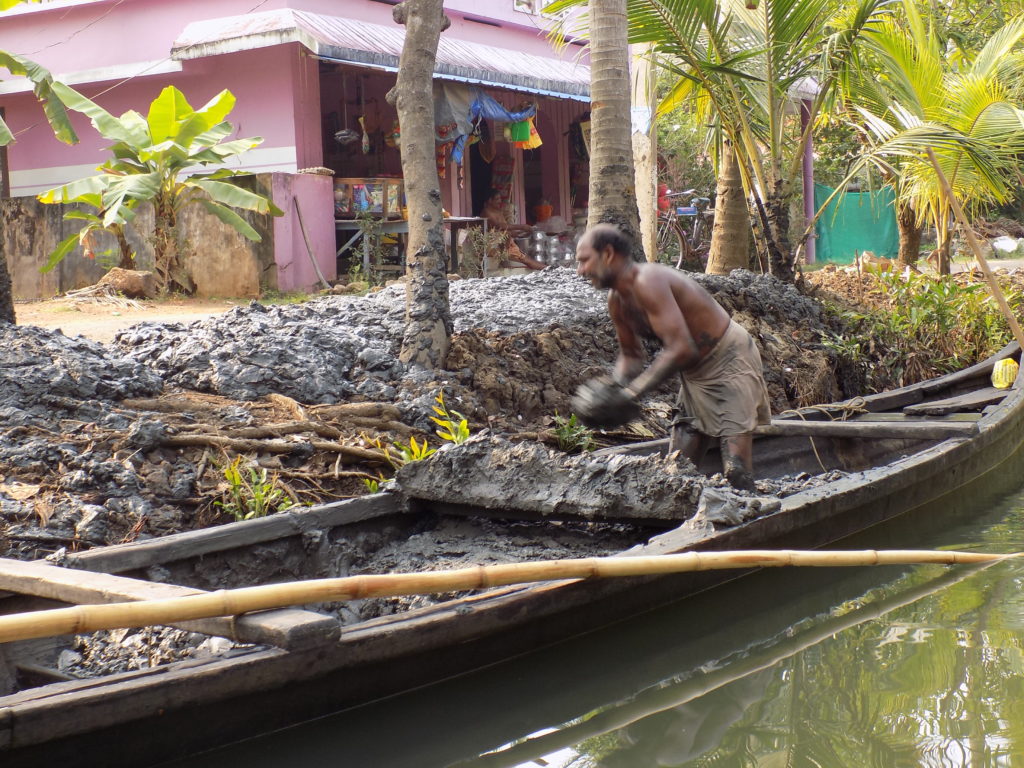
102 444
495 474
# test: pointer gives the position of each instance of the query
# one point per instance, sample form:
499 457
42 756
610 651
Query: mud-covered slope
80 465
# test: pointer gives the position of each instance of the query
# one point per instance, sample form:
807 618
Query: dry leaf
44 511
19 491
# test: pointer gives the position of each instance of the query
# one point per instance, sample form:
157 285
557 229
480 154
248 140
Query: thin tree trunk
127 260
730 236
645 150
612 180
944 244
909 233
428 323
6 293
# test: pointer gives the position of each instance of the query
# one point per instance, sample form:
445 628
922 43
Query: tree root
348 453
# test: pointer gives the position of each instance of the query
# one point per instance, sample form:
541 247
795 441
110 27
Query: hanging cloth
534 139
484 107
520 130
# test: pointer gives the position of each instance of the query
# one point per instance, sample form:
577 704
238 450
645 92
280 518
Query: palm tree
741 60
612 182
907 97
730 236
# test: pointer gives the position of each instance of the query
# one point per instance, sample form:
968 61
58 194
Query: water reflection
823 667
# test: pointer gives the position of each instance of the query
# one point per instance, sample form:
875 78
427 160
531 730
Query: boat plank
500 509
922 430
972 401
143 554
7 681
284 628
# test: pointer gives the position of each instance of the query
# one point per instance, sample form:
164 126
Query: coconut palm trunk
909 233
612 179
428 323
730 235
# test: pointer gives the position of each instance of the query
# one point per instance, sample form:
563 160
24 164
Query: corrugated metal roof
376 45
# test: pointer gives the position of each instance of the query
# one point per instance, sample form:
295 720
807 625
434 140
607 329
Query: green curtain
854 223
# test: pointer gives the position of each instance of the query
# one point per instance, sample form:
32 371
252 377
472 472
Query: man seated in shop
722 395
494 212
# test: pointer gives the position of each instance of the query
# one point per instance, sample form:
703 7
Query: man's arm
630 362
497 220
525 260
679 349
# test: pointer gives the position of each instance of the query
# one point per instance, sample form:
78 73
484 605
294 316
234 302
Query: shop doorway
480 178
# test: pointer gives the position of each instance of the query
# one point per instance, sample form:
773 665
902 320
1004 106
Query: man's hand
603 404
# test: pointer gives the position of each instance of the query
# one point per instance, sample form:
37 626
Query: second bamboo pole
90 618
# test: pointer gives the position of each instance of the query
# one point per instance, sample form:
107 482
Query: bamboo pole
233 602
958 212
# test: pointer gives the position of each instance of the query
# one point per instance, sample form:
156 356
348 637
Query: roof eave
379 60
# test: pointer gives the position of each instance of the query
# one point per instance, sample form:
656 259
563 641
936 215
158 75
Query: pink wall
253 115
295 271
67 39
105 33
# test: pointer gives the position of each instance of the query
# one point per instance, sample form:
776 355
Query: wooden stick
997 292
89 618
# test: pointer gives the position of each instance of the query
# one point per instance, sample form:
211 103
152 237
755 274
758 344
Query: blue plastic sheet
484 107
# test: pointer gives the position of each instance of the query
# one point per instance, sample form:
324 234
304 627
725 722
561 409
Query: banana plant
153 158
42 86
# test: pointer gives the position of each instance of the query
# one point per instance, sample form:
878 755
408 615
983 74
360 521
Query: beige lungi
725 395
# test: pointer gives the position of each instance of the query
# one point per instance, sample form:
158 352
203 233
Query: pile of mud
81 465
521 346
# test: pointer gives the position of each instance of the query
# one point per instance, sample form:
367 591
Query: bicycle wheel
686 257
671 242
701 242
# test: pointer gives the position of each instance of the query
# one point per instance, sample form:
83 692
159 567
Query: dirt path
101 320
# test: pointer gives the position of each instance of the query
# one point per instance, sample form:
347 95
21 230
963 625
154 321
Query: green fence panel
854 223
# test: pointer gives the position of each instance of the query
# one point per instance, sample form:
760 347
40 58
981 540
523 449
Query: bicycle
686 244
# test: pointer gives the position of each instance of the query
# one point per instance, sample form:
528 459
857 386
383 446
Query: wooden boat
901 450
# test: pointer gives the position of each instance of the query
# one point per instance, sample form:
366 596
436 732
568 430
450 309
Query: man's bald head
604 235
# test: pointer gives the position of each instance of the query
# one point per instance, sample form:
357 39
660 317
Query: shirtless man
494 212
723 393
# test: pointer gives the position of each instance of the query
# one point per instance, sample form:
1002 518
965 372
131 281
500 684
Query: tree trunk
944 243
780 256
730 236
612 180
127 259
909 232
645 150
428 323
6 293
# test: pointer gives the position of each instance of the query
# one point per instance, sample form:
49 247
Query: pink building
303 70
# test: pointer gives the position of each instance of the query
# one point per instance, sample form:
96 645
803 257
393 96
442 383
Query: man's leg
688 441
738 462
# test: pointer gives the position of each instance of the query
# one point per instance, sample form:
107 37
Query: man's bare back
631 305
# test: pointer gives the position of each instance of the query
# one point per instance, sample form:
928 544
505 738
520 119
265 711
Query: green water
812 667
